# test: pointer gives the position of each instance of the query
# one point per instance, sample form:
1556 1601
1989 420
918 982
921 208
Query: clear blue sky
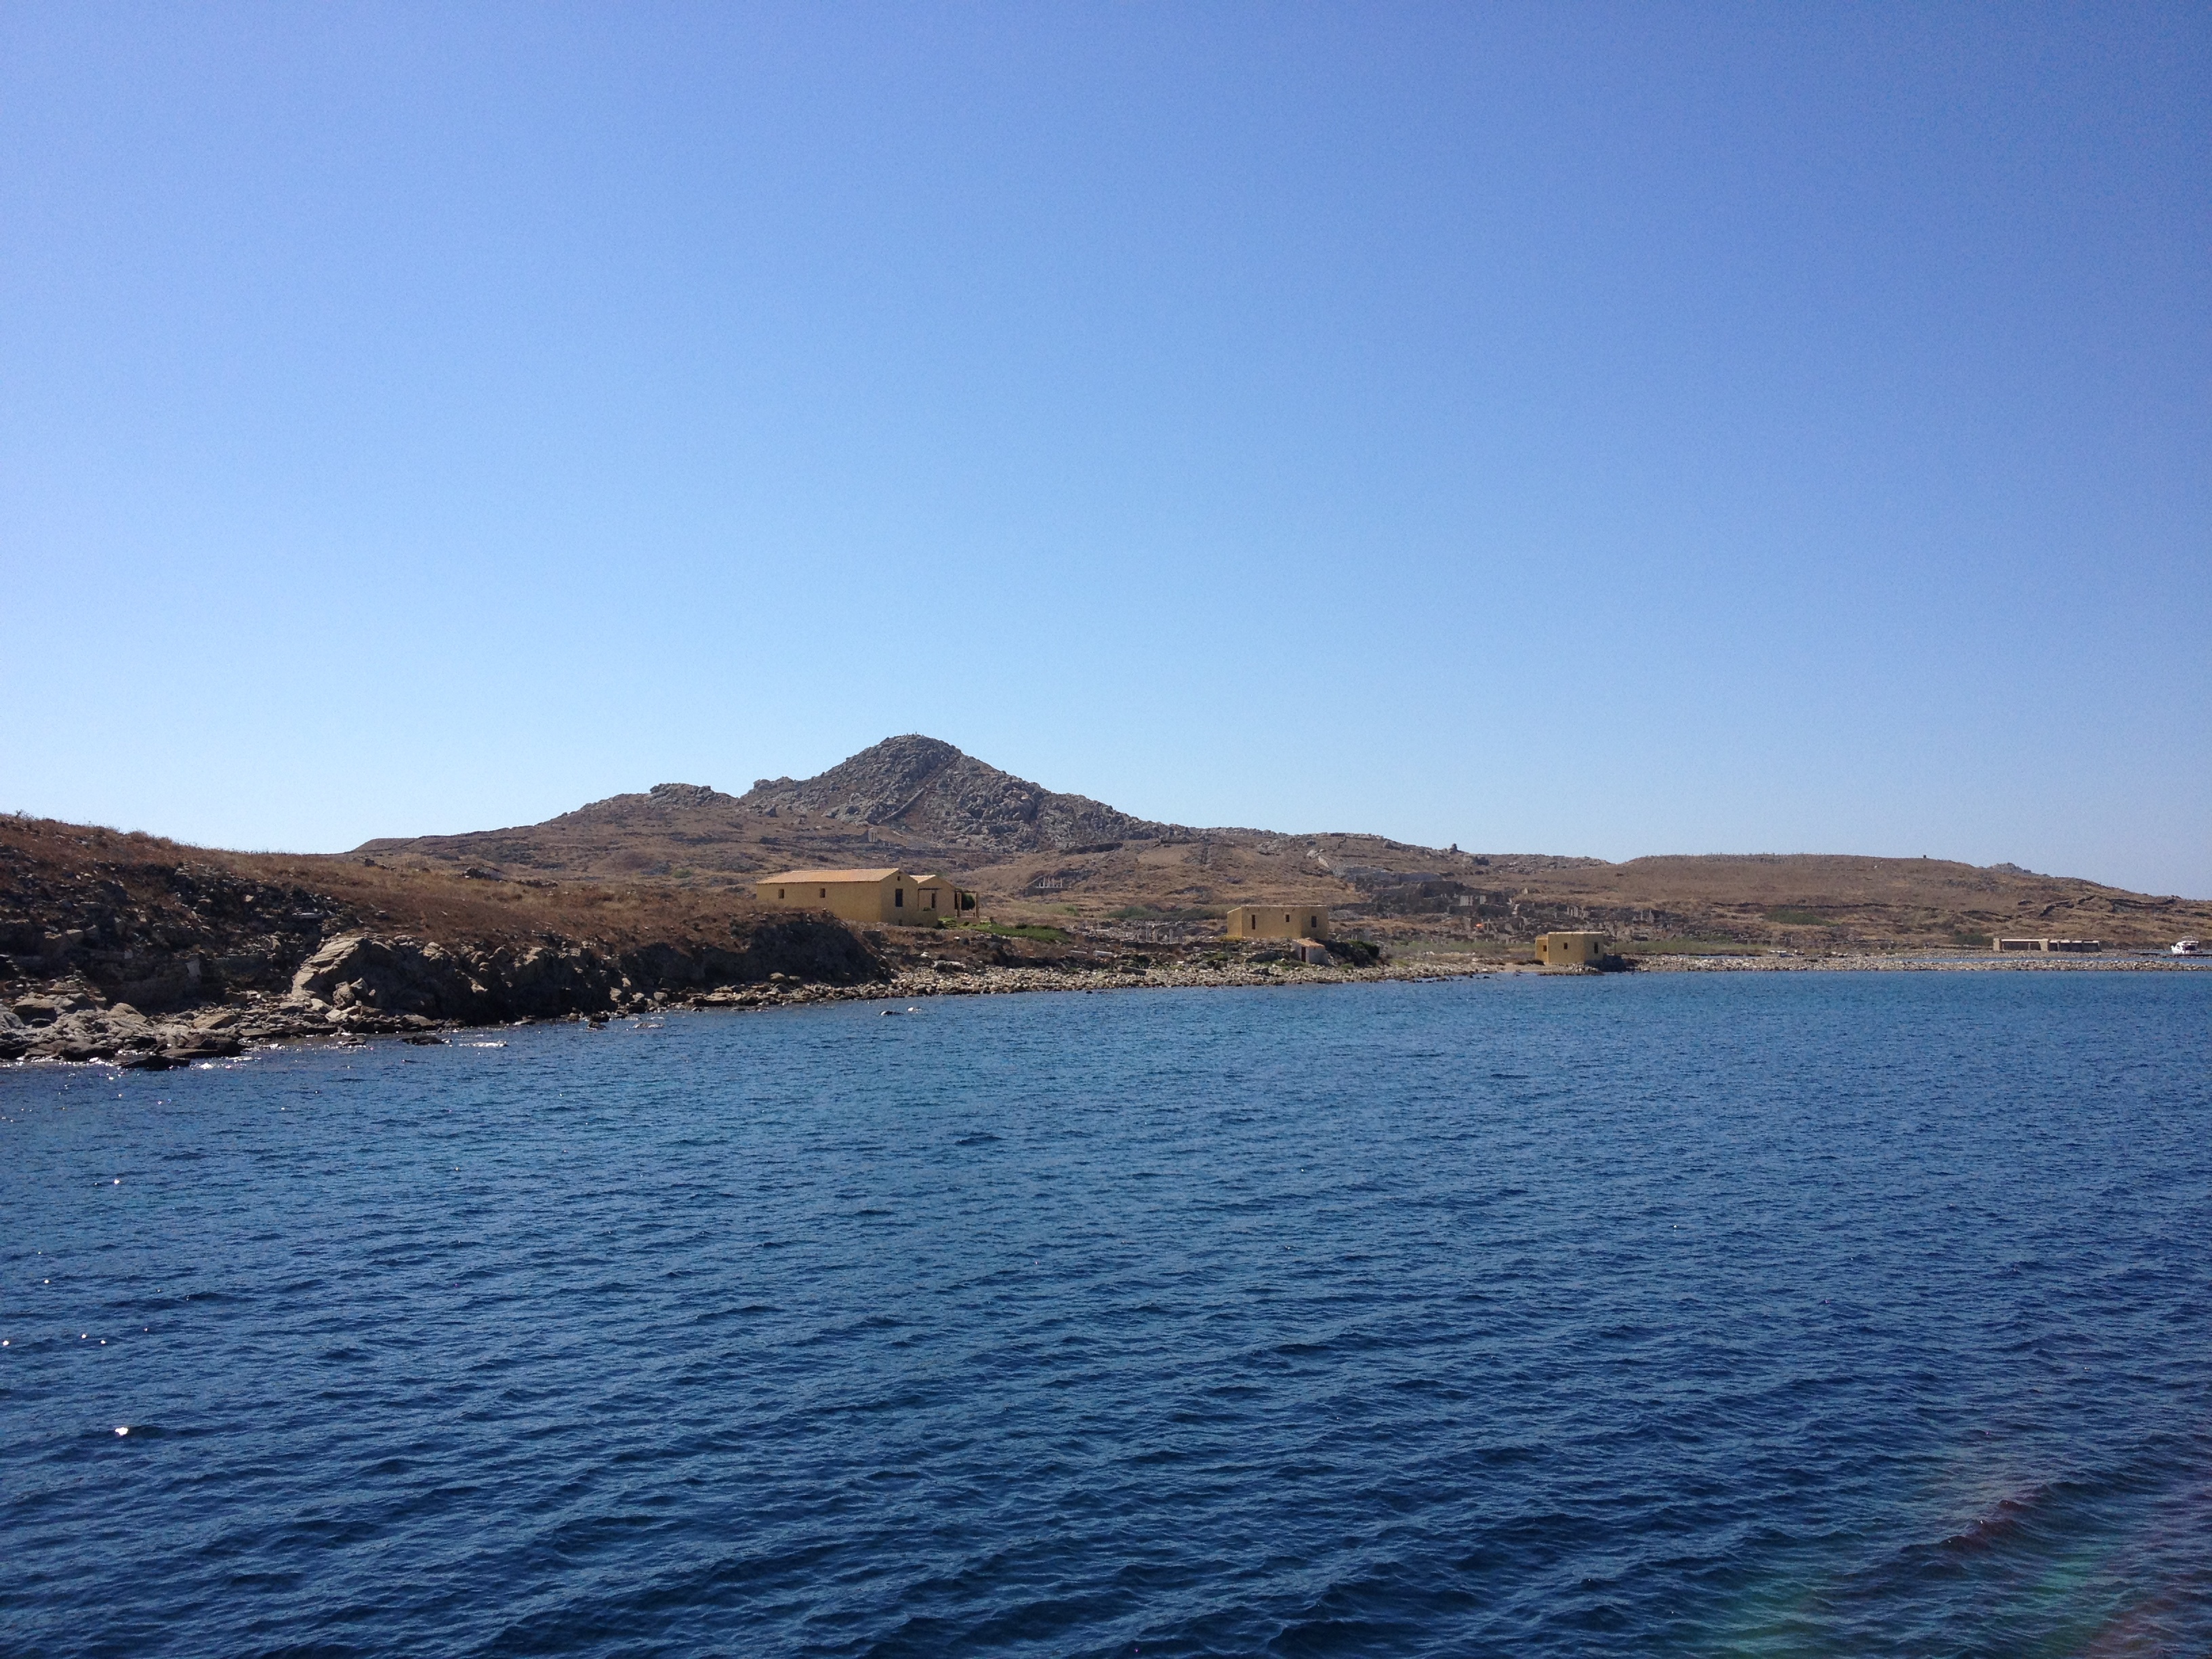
1608 430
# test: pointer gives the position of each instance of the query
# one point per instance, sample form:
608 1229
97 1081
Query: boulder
542 981
365 982
398 976
185 1043
76 1036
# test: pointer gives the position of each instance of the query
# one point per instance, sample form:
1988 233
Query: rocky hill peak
686 794
928 788
870 787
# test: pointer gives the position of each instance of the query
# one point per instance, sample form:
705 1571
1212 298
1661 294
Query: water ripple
1742 1315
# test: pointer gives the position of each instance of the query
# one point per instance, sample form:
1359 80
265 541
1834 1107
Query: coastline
120 1036
1003 980
135 951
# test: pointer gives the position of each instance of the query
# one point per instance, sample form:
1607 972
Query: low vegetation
1038 931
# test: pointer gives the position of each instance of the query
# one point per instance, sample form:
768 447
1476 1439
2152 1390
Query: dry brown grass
49 865
628 872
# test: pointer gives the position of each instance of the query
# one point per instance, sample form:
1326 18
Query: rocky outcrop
361 979
125 948
361 983
155 937
398 976
797 947
74 1023
929 789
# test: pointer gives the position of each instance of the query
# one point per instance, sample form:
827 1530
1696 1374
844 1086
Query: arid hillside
132 948
161 925
1035 855
908 799
150 952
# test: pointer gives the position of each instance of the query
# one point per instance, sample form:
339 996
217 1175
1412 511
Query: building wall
1279 922
1577 949
890 901
935 897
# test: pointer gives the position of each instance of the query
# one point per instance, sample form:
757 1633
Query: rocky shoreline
360 987
361 984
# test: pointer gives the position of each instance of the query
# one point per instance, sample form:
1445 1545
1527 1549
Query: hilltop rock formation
912 800
935 793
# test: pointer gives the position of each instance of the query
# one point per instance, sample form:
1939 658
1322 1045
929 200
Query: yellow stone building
1279 922
940 897
882 897
1577 949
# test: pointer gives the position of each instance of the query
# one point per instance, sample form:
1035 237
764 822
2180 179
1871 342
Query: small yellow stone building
1577 948
938 897
883 897
1279 922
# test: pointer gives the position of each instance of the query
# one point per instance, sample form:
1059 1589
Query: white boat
2190 947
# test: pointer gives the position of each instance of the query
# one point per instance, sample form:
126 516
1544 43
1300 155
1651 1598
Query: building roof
802 877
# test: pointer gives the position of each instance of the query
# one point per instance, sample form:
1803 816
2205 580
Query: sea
1769 1314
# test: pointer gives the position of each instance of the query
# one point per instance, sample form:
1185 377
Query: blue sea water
1749 1314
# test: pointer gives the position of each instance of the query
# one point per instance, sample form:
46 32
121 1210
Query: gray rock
922 784
398 976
